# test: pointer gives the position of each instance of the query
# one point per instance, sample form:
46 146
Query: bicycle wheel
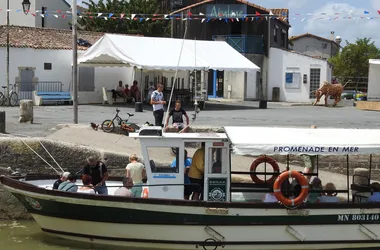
2 99
13 99
108 126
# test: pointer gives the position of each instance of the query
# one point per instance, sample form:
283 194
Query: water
22 235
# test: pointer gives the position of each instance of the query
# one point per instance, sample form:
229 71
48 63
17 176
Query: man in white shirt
125 190
157 100
119 91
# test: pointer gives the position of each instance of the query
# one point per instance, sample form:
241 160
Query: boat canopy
158 53
297 141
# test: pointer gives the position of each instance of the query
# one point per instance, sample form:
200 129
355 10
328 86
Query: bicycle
109 125
13 97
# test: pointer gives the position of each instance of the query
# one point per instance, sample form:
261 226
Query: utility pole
75 59
7 94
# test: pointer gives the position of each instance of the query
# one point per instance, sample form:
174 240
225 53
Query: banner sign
226 10
303 149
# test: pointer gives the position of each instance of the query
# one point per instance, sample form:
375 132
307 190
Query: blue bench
55 97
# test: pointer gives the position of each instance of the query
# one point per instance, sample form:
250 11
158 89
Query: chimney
332 36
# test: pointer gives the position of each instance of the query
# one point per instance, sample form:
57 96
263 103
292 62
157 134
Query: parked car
348 94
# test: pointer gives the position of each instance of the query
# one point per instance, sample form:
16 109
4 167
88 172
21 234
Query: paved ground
216 115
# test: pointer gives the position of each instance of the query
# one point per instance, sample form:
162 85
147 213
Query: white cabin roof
321 141
184 136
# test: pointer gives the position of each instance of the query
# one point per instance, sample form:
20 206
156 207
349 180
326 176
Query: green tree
154 28
352 61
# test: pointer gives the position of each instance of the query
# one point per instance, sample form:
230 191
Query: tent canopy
155 53
282 141
374 61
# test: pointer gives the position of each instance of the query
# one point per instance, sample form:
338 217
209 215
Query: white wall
237 82
282 61
50 20
251 86
312 46
373 81
20 19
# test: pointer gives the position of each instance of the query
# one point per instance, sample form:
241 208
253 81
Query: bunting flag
204 18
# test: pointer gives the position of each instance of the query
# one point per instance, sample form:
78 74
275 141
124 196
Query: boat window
217 156
163 159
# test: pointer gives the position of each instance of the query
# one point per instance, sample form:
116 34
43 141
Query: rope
51 156
175 76
40 157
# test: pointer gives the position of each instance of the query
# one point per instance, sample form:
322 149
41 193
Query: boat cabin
167 181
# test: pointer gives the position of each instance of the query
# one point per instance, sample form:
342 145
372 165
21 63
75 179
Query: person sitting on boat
177 113
126 189
196 172
316 185
136 171
375 197
69 185
63 178
99 174
188 189
87 187
330 194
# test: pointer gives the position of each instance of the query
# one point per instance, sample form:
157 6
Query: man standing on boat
99 174
196 172
157 100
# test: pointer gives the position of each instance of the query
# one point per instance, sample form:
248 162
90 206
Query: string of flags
230 16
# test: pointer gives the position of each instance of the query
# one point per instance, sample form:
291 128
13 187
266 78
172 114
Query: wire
175 76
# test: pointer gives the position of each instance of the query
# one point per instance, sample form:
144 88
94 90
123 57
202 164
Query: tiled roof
43 38
302 54
314 36
239 1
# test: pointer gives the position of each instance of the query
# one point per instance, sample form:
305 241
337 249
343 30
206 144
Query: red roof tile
314 36
44 38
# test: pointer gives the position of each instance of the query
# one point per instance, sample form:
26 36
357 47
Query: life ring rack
257 162
300 179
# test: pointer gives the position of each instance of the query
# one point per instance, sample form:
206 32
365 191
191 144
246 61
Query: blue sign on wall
226 10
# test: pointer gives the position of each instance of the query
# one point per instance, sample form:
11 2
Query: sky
347 29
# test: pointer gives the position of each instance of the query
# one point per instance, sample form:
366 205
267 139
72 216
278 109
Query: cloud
291 4
347 29
376 4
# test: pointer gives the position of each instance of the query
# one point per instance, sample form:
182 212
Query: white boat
165 220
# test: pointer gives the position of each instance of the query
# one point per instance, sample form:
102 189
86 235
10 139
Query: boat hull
177 224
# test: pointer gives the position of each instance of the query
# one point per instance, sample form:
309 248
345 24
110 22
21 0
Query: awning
157 53
282 141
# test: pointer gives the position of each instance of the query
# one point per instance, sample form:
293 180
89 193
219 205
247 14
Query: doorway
25 83
216 88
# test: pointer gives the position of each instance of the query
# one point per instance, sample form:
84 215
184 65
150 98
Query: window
275 34
216 157
315 79
47 66
283 38
324 45
86 80
43 17
157 152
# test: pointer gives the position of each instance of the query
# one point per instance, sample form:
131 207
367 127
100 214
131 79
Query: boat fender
257 162
145 192
300 179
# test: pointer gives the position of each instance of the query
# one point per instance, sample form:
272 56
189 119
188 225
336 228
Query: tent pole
141 84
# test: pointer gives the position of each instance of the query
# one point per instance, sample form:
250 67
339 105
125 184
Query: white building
41 56
316 46
47 20
297 76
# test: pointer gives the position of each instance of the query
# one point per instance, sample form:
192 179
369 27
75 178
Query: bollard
138 107
26 111
2 122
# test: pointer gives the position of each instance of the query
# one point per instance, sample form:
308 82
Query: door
315 81
220 84
26 86
217 172
251 84
211 83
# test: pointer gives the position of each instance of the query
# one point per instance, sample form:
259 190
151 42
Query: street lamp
26 8
75 60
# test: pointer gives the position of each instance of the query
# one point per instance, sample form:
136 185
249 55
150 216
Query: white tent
154 53
282 141
373 91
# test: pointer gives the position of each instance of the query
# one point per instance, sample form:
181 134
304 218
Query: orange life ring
301 180
260 160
